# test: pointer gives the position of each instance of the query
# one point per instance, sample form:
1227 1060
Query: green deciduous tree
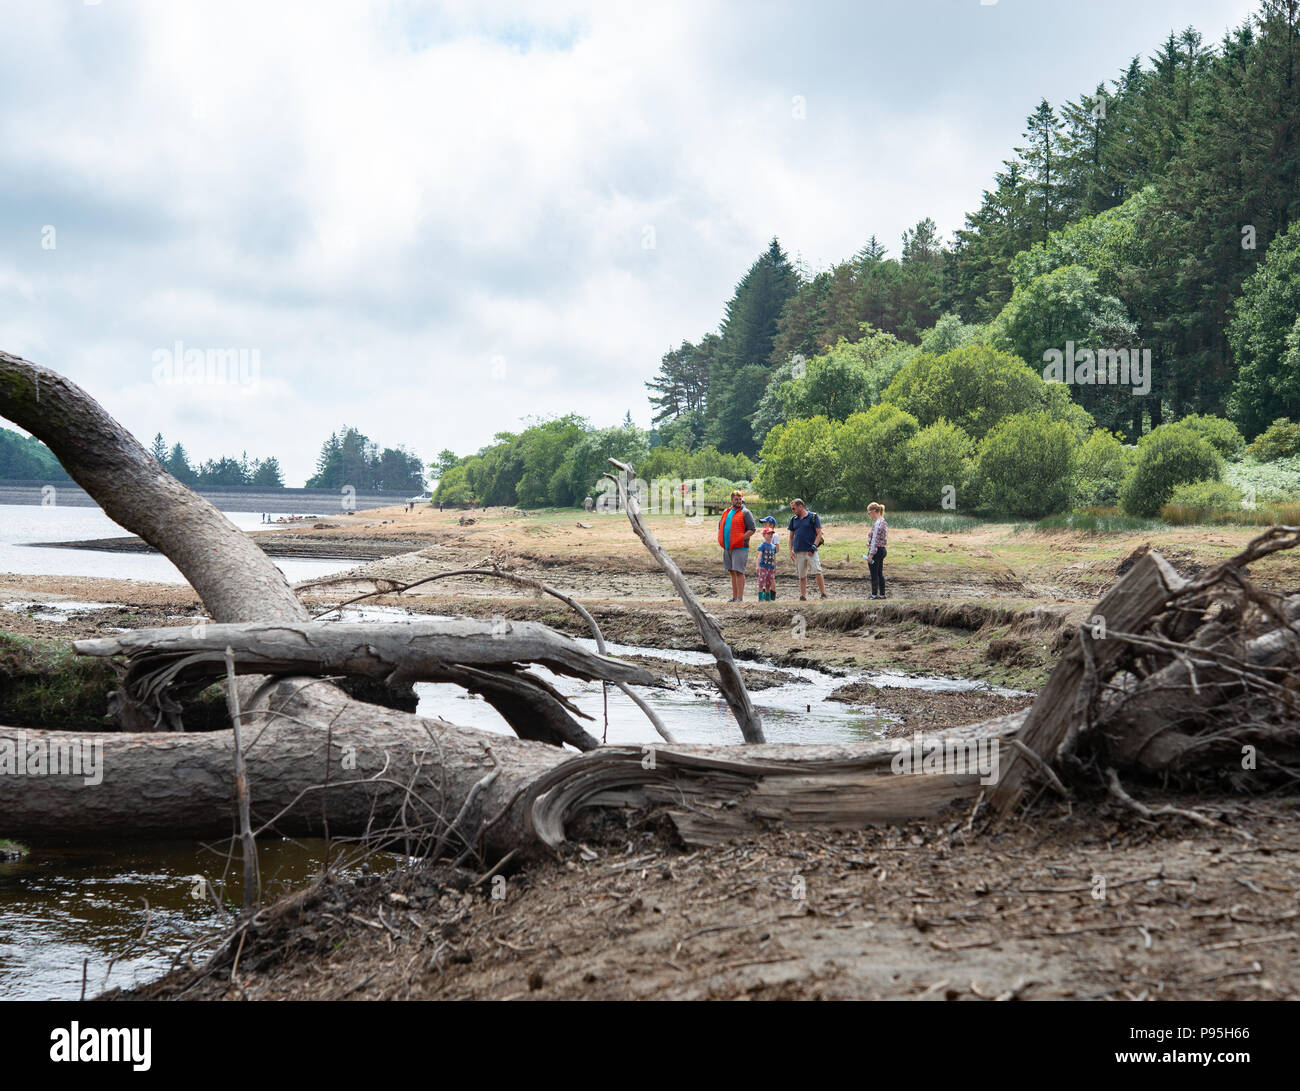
799 458
1265 337
1103 464
973 387
1167 456
870 450
938 462
1027 465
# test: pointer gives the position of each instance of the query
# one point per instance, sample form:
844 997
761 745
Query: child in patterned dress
767 552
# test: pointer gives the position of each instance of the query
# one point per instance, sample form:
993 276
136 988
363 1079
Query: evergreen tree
178 465
1040 159
747 337
267 474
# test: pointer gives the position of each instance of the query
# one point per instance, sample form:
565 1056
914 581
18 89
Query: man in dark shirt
805 536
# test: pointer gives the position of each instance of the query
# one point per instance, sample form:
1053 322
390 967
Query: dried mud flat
1083 905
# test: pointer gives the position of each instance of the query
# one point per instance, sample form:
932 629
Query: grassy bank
44 684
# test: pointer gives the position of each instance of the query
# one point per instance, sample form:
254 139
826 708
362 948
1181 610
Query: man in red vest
735 528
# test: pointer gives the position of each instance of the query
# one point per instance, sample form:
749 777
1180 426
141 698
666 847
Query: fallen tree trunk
329 764
166 665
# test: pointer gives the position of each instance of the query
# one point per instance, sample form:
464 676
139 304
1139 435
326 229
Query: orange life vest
731 530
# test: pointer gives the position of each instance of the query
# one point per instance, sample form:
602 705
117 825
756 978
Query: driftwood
714 794
729 679
167 664
491 568
391 784
1197 680
1143 591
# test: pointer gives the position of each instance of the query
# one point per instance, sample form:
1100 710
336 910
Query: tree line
25 458
1155 212
224 471
558 462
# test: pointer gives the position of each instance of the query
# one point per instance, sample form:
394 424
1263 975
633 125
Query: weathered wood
484 657
417 650
713 794
386 770
1137 597
390 783
729 679
490 568
1153 727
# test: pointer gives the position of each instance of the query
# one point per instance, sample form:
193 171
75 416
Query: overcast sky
432 220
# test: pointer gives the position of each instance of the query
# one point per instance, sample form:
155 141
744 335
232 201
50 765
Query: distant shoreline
319 502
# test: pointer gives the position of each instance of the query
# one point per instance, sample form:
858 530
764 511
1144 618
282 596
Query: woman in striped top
876 549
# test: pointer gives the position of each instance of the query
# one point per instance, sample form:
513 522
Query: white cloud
383 197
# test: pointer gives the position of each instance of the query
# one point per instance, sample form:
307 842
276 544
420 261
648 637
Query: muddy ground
1080 901
1083 904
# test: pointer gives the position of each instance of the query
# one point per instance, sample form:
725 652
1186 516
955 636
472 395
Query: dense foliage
1153 220
350 458
25 458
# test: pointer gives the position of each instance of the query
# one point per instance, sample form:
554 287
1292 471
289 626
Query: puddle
57 611
793 712
69 911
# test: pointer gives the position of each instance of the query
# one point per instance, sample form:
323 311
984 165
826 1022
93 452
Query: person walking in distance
805 538
876 549
735 528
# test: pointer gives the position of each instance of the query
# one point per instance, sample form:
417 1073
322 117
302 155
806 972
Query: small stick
241 787
1117 790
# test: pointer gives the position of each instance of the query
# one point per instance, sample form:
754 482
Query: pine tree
178 465
871 253
159 448
1040 159
267 474
748 335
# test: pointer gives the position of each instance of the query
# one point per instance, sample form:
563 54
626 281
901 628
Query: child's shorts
767 579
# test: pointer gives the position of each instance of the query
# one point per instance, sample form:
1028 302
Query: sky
248 224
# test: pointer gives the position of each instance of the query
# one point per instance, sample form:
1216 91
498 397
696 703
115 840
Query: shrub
1103 464
1170 455
799 460
973 387
1222 435
1201 501
453 488
1027 465
1281 439
935 458
1210 495
871 450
